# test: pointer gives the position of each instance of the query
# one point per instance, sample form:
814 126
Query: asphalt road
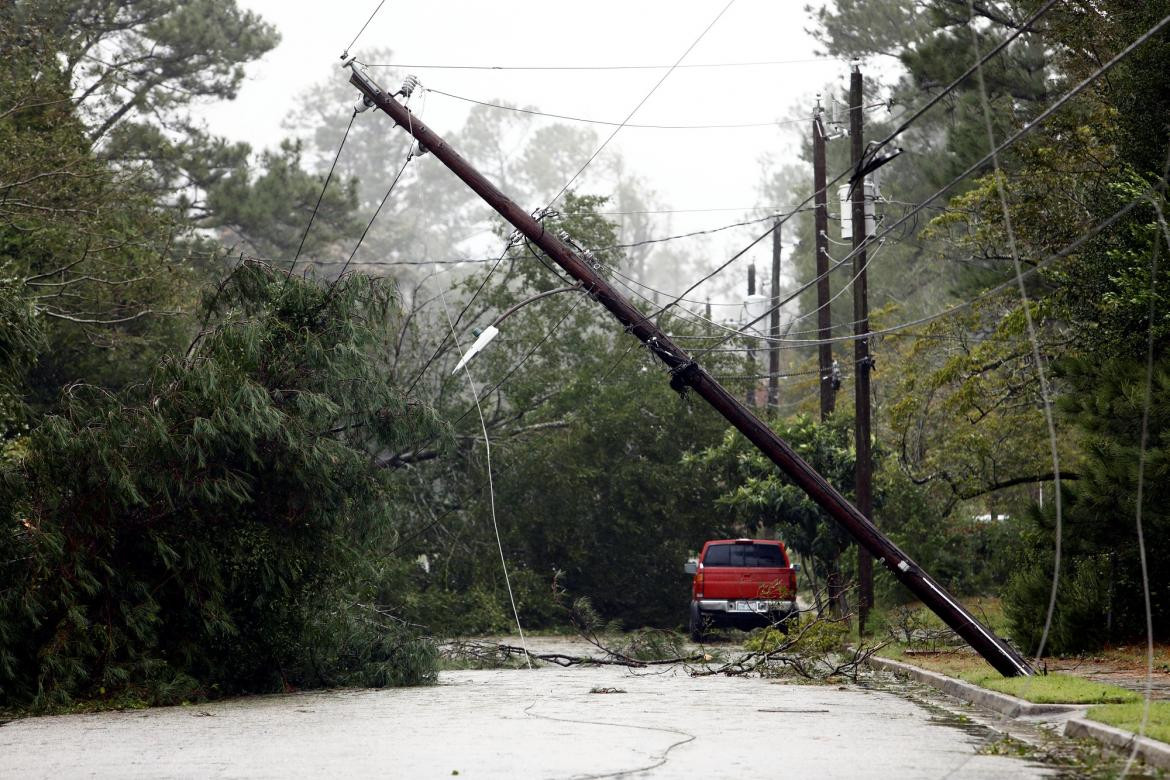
547 723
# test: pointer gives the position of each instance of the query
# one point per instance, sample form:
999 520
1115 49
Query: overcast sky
688 169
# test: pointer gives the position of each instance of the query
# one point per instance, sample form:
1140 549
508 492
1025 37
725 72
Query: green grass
1057 688
1042 689
1053 688
1129 717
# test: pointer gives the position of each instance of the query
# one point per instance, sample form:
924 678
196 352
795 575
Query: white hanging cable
487 446
1142 455
1045 392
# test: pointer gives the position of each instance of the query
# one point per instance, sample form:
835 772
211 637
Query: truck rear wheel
695 625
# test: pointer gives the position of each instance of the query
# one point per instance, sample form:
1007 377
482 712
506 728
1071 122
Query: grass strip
1055 688
1129 717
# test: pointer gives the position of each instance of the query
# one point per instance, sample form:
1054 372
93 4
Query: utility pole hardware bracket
681 377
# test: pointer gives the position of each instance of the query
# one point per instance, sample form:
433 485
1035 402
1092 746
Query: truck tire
695 625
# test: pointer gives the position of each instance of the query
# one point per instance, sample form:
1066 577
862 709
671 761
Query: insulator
408 85
363 104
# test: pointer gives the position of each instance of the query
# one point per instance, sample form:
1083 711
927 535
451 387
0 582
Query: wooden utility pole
750 397
830 380
863 469
821 222
686 374
774 325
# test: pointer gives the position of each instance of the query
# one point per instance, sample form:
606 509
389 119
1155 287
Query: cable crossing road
514 723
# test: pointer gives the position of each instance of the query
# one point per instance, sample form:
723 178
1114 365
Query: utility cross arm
686 373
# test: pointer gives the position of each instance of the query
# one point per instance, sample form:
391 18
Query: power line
990 293
675 211
377 211
676 66
613 134
642 102
443 343
895 330
575 176
584 120
742 303
378 8
1007 143
320 197
905 125
629 245
979 63
1037 364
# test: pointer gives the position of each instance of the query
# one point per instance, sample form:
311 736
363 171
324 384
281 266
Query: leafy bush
1101 595
204 532
1079 618
811 636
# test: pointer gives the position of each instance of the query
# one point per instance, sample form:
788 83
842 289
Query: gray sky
688 169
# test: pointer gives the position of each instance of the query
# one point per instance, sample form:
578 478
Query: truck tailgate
738 582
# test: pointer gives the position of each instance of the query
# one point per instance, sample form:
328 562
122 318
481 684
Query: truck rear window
745 555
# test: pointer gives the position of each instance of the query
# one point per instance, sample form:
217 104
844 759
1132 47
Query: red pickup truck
745 583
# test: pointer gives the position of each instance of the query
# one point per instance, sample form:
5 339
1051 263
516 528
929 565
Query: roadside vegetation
234 457
919 638
1129 717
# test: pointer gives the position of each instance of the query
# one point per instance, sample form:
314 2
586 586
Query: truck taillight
699 584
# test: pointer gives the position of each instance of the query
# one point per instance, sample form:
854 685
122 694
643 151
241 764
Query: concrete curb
993 700
1151 751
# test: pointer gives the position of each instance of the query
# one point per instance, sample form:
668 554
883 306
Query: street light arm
572 288
491 331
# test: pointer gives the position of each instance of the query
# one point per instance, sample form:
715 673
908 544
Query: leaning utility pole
774 325
821 220
863 467
685 374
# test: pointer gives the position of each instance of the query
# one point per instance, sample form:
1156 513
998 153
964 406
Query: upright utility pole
863 470
750 396
774 325
821 220
686 374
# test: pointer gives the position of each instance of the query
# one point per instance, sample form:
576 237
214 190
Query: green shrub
1078 621
208 531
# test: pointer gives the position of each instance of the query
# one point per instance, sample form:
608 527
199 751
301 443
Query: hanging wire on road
1142 454
547 335
487 446
1045 391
